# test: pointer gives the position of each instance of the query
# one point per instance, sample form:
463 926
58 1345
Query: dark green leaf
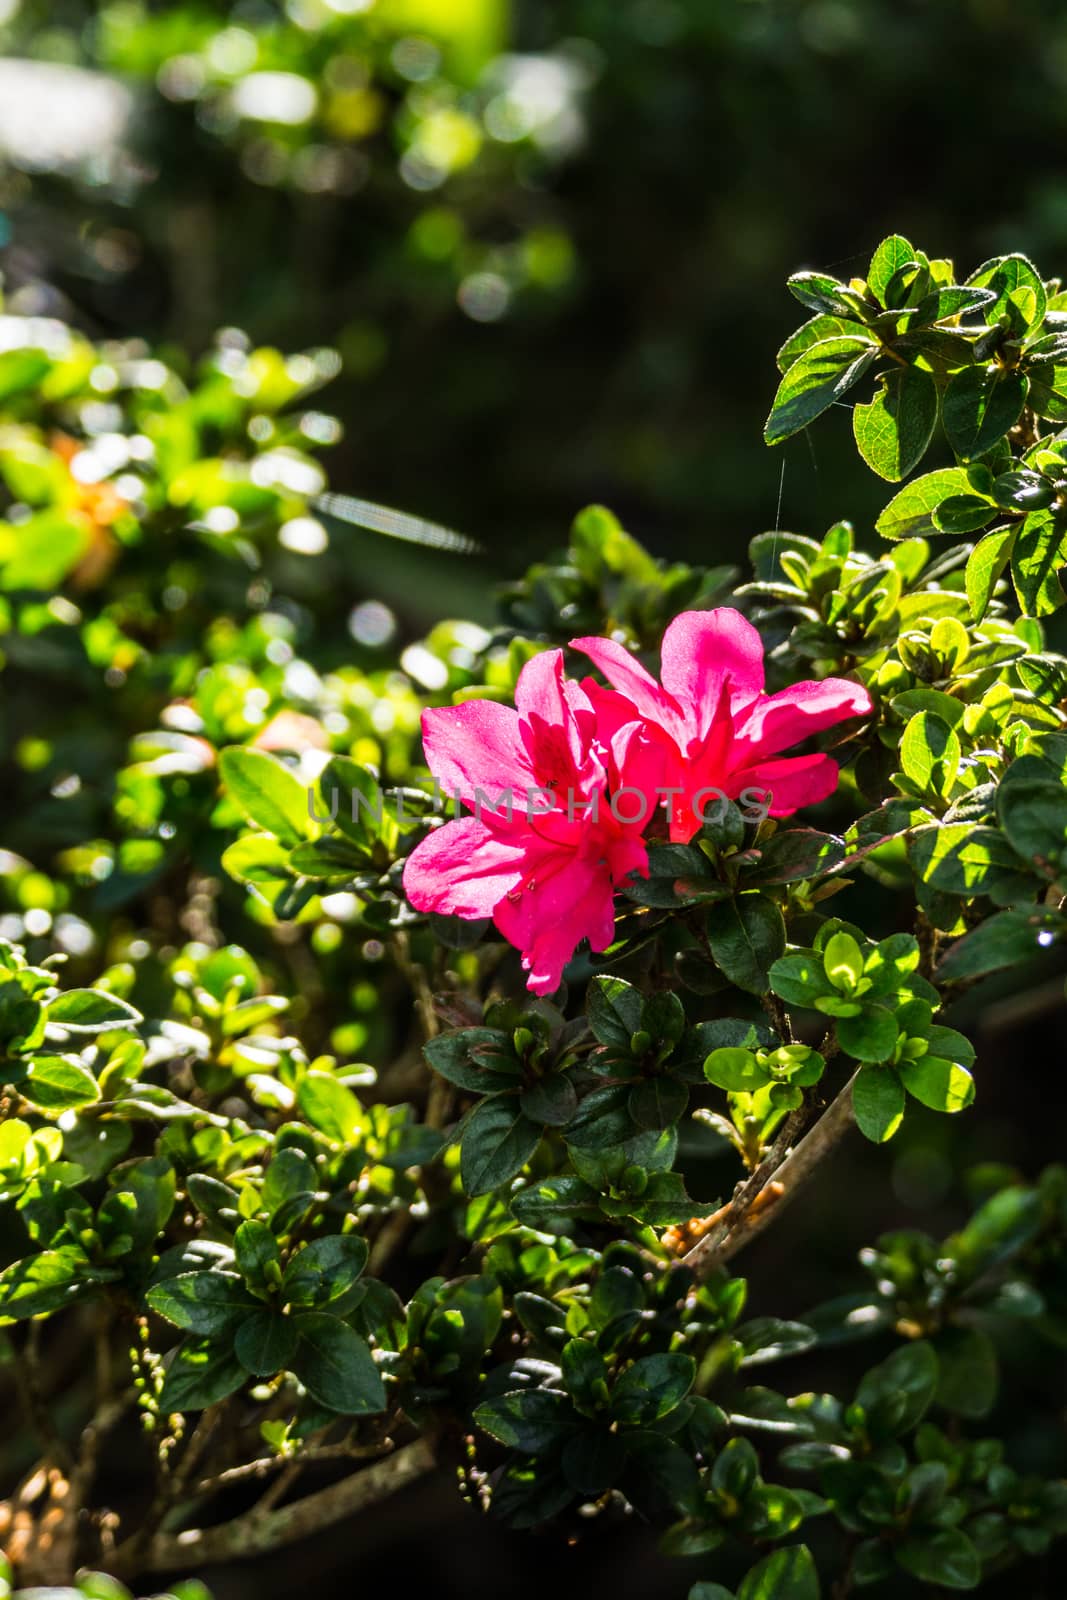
265 1342
980 405
530 1421
614 1008
816 379
746 935
45 1282
658 1102
498 1140
878 1101
968 1361
335 1365
324 1270
206 1303
787 1574
201 1373
944 1556
652 1388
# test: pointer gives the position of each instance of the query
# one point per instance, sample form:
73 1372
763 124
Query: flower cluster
548 840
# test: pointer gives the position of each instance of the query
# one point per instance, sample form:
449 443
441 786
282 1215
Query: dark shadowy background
585 310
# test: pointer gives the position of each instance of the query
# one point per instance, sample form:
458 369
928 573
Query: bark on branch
780 1184
258 1532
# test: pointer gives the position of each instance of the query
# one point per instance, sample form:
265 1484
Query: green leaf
820 293
267 793
614 1008
787 1574
258 858
652 1388
941 1085
980 405
45 1282
1020 293
265 1342
909 515
453 1056
770 1338
553 1205
552 1100
930 753
59 1083
335 1365
799 978
202 1373
815 381
985 565
209 1304
330 1106
968 1361
795 854
50 545
959 858
1034 816
737 1071
1038 556
870 1036
531 1421
1048 389
963 513
746 935
951 301
892 432
258 1256
892 254
662 1202
359 799
91 1011
1005 940
944 1556
324 1270
809 333
658 1102
878 1101
498 1140
897 1393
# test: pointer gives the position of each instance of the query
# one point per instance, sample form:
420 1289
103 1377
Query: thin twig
263 1466
766 1202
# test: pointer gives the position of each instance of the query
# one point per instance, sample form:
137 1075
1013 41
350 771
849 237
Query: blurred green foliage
535 250
621 184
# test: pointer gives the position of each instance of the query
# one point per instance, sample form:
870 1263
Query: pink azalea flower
710 726
542 852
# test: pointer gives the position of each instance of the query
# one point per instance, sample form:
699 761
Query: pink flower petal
784 719
700 650
555 724
570 901
464 869
476 745
625 673
645 761
791 782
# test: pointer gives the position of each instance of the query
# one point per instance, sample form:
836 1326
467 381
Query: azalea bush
404 1038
